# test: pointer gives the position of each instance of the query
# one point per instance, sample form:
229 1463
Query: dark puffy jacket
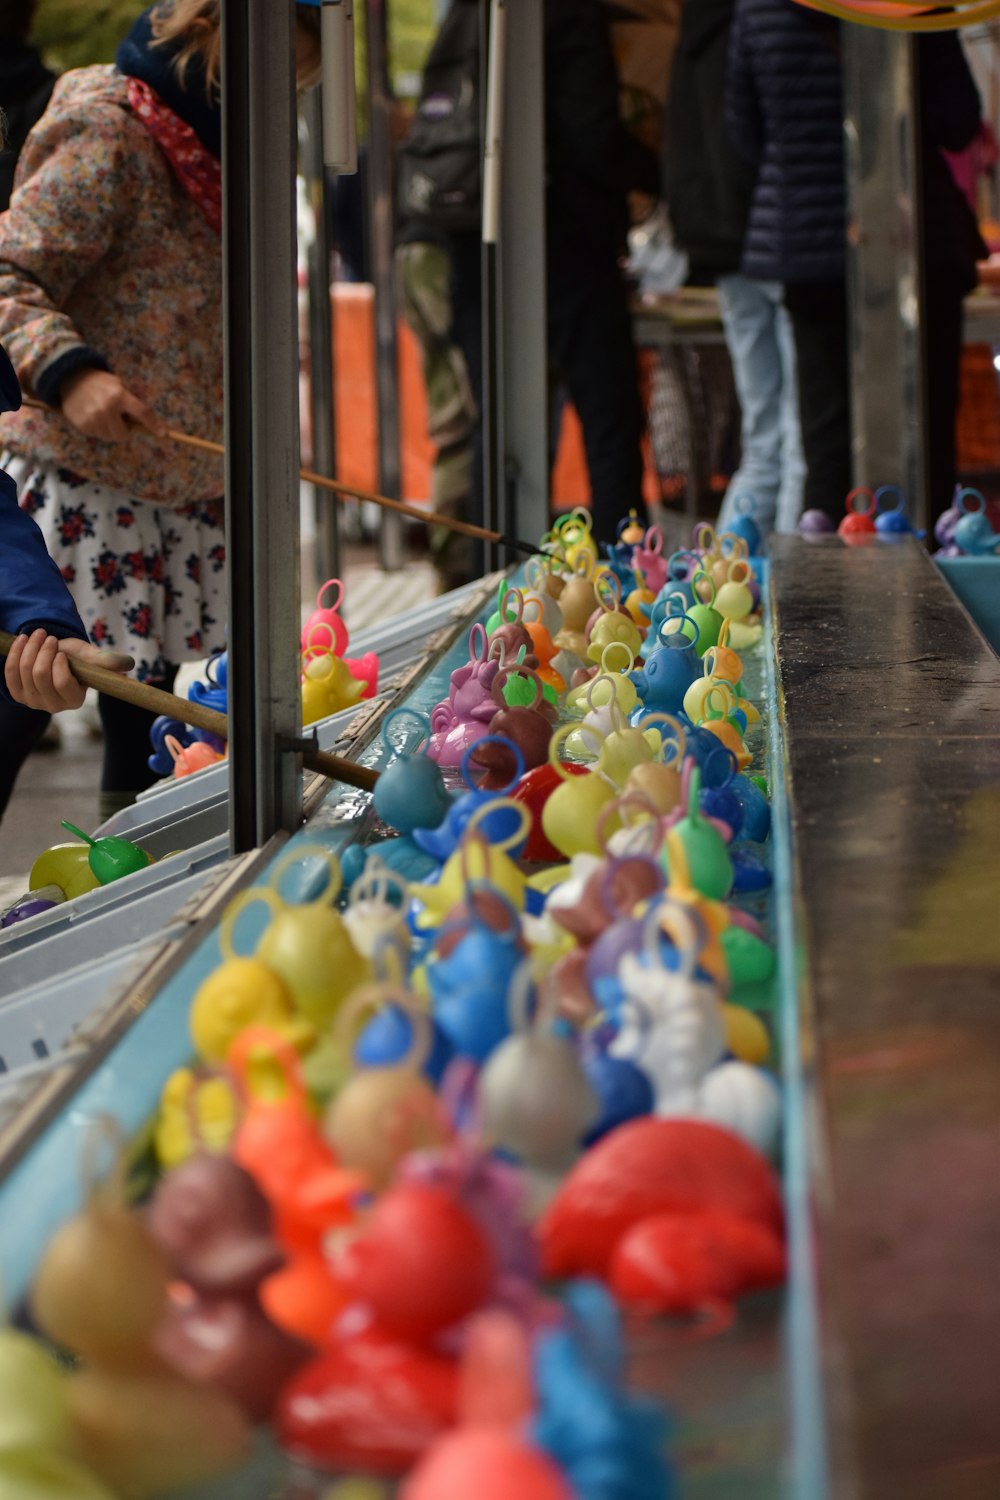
785 113
707 184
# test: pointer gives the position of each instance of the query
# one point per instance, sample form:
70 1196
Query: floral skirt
146 579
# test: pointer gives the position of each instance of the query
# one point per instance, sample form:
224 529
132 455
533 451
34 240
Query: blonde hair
193 27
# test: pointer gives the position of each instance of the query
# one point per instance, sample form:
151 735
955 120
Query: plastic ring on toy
856 494
516 671
616 807
676 740
487 809
255 1043
262 894
331 887
494 739
376 998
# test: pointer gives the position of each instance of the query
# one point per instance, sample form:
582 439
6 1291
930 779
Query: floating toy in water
478 859
648 559
381 1114
306 943
606 1440
420 1263
213 1225
110 857
647 1168
691 1262
498 823
470 981
410 793
743 524
229 1345
464 716
487 1453
535 1097
367 1403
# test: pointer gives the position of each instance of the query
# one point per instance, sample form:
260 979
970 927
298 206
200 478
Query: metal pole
321 385
493 364
381 221
261 424
883 270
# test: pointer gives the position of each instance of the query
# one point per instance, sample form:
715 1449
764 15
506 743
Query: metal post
494 384
261 429
324 450
382 236
524 419
883 267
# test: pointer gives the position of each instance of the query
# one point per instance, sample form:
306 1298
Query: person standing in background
708 187
589 163
950 122
26 86
785 112
784 109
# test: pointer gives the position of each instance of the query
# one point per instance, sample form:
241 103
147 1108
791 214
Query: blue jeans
761 346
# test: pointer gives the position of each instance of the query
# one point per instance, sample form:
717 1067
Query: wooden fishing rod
156 701
352 492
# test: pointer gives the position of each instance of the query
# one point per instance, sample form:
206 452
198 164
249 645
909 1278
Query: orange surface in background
355 411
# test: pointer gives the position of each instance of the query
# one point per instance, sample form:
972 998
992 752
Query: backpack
440 170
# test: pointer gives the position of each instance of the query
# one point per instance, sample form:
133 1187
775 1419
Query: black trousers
818 310
126 742
591 353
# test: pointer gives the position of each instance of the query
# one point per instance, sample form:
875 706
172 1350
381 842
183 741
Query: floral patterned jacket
106 261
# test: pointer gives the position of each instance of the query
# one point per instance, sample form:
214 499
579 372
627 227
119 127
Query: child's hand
37 670
99 404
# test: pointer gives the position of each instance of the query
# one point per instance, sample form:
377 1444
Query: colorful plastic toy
110 858
305 943
858 523
410 793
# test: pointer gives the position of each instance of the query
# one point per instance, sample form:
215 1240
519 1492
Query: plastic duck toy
606 1440
410 793
214 692
464 716
892 520
328 616
196 756
327 685
858 522
648 560
488 1454
744 526
973 533
647 1169
815 523
306 944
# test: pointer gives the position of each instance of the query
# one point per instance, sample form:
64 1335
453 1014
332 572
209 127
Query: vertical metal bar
324 449
883 279
381 222
525 410
494 467
261 386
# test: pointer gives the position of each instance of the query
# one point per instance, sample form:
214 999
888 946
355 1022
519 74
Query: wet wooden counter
891 733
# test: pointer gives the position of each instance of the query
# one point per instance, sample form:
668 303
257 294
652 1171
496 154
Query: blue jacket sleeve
32 591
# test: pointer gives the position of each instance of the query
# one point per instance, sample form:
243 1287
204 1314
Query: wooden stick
156 701
352 492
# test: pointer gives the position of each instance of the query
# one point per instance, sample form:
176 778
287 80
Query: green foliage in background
73 33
